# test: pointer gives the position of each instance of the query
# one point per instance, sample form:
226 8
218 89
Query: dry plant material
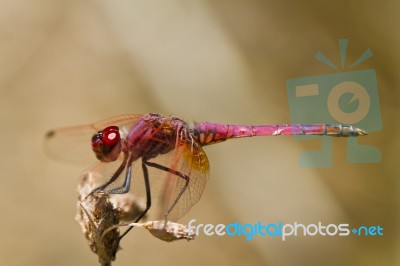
95 215
101 215
99 212
169 233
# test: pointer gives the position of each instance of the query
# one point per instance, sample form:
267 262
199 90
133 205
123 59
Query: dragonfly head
106 144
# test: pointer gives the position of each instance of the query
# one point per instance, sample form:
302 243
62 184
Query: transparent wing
189 159
73 144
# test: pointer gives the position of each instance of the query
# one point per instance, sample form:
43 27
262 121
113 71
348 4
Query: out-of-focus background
72 62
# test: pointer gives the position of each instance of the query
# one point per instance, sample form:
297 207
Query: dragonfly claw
95 191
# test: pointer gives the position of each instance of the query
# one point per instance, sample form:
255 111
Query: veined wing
189 159
73 144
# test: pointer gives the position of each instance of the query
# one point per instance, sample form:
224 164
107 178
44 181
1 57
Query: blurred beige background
73 62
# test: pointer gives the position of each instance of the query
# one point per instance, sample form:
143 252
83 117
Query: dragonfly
167 152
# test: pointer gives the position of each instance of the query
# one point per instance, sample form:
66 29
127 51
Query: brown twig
98 212
95 215
101 215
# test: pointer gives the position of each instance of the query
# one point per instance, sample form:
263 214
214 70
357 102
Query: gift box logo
345 98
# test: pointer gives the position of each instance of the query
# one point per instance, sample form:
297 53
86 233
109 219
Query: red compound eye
111 137
106 144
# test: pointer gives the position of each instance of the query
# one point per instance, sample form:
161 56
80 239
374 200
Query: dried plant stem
167 232
101 215
94 221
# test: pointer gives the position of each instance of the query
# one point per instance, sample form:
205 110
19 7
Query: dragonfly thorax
153 135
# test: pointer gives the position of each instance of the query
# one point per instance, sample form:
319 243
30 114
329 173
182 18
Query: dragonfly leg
148 198
127 182
113 177
172 171
126 185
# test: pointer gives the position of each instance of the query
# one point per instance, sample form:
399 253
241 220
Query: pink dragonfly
172 163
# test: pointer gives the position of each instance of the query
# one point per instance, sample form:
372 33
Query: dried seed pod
169 232
95 215
100 215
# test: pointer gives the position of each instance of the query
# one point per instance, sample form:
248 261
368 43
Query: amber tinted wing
73 144
189 159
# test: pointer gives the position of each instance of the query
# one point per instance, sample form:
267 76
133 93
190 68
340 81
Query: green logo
343 97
